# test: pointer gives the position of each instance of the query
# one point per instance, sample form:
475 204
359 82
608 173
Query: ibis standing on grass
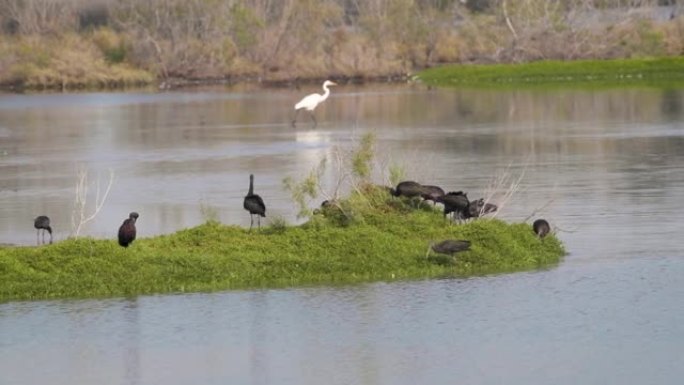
541 227
42 223
254 204
127 230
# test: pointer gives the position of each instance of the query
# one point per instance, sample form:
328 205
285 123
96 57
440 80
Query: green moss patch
668 71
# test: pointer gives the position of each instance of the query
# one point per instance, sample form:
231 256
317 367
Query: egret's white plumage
310 102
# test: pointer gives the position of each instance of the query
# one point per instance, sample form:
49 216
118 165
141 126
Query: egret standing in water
310 102
42 223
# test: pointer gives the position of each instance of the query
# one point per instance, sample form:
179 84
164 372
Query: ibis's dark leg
37 236
259 221
251 221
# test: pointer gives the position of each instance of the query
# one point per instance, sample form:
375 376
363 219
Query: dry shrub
111 44
673 36
68 61
448 48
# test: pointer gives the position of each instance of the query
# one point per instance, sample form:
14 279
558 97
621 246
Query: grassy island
370 236
669 71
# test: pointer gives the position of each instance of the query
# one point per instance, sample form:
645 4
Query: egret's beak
333 83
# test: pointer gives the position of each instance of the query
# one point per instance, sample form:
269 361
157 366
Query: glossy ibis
479 207
42 223
409 189
451 246
431 193
254 204
541 227
127 230
455 202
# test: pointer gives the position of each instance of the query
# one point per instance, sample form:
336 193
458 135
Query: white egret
310 102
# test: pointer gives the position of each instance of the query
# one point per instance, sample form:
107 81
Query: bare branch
79 215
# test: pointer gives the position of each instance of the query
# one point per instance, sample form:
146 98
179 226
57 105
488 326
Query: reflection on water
605 166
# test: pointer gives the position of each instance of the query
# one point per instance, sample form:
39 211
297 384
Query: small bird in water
541 227
254 204
451 246
127 230
42 223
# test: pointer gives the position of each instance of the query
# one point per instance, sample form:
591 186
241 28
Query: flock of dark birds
460 207
455 203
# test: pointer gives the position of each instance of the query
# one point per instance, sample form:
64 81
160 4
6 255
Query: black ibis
541 227
451 246
431 193
455 202
479 207
254 204
127 230
409 189
42 223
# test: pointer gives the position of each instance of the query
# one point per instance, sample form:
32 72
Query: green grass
586 72
380 238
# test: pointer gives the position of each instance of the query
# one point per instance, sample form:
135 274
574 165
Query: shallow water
603 166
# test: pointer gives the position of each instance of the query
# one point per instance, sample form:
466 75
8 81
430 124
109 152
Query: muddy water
606 167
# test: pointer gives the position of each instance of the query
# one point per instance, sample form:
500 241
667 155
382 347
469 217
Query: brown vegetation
83 43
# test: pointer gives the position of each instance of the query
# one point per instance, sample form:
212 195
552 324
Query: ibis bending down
451 246
42 223
409 189
432 193
541 227
479 207
455 202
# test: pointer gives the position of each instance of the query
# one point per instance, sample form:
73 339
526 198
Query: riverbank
649 71
584 72
384 239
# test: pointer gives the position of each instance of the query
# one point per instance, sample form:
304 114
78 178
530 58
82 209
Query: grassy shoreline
667 71
663 71
386 240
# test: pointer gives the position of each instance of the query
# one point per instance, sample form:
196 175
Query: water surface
603 166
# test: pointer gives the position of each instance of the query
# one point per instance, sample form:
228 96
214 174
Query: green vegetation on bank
627 71
371 236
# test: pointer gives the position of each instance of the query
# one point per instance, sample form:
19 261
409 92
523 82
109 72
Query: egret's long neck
326 93
251 185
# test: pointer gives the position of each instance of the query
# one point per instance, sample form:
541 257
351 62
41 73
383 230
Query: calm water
606 167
